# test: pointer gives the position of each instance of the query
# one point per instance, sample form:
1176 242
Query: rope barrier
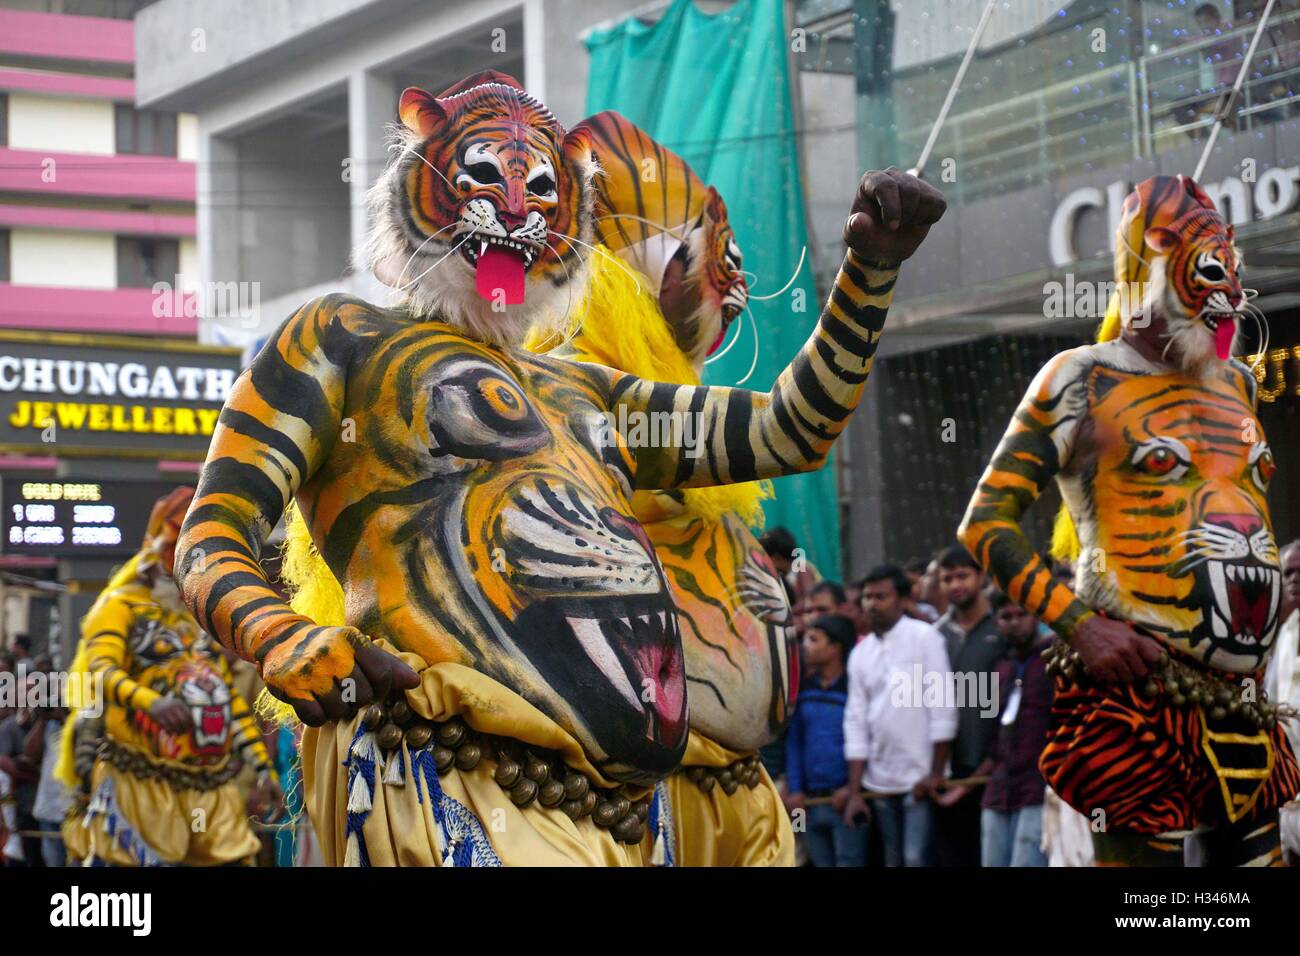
883 794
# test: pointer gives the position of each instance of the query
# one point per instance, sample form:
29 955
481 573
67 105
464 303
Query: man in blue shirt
814 756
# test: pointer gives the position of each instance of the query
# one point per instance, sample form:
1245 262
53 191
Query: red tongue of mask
1223 337
500 272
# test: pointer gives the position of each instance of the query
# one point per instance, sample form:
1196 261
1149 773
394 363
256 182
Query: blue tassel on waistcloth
459 834
661 825
462 840
363 754
104 804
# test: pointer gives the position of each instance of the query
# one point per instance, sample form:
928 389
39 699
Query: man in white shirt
1282 681
899 722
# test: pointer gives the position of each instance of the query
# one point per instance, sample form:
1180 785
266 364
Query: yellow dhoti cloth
76 838
400 826
748 828
138 822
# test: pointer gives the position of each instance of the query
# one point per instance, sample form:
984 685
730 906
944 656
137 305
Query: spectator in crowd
1011 824
797 572
853 609
1282 680
22 654
974 648
814 754
826 597
916 605
896 737
1224 55
931 593
52 798
23 775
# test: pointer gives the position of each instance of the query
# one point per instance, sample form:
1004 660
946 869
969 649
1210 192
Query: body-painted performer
459 489
721 808
174 730
1159 728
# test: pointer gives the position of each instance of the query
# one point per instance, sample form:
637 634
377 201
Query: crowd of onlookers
926 686
32 802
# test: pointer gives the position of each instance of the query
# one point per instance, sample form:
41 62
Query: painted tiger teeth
594 642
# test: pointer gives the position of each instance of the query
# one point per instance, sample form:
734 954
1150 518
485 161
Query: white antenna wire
1232 97
919 168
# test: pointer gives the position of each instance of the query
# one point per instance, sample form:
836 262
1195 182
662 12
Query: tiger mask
655 213
483 217
1176 261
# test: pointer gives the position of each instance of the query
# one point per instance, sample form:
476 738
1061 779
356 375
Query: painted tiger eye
451 733
551 793
401 713
523 792
468 756
389 736
418 736
507 773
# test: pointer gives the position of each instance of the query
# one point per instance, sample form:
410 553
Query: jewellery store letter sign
92 395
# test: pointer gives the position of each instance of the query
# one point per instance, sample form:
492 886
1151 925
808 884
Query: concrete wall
60 125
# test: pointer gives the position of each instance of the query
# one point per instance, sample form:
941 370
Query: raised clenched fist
892 213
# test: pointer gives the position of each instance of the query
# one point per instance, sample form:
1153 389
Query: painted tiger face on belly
483 217
497 536
1180 516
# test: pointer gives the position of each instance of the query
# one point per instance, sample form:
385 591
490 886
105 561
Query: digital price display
73 517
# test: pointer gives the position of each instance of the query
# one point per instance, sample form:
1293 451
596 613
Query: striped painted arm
745 435
1038 440
259 456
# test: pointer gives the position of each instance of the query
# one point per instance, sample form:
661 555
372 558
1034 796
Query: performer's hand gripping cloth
1163 467
657 312
166 729
460 490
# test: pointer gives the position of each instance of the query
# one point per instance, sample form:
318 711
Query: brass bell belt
178 778
745 771
1182 685
528 774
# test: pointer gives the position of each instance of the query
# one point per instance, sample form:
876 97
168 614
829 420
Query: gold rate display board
110 396
76 517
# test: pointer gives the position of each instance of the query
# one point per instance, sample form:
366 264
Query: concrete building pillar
372 105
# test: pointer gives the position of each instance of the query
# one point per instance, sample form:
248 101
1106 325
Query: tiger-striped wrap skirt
1152 767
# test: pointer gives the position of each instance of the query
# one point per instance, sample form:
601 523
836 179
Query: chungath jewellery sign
64 394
